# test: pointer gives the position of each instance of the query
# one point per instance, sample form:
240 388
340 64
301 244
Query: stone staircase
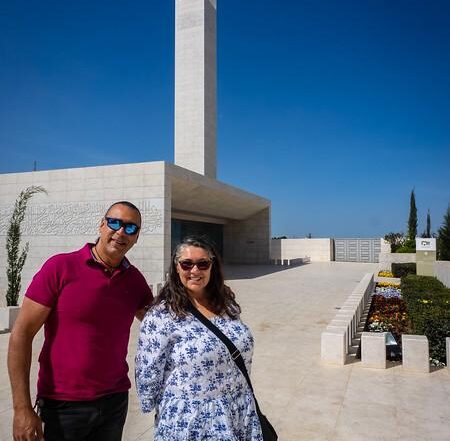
354 350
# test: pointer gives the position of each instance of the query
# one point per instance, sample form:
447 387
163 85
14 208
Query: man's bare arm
27 425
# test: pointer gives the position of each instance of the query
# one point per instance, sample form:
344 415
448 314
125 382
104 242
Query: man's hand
27 426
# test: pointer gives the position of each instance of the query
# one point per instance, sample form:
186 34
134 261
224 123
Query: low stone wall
387 259
442 272
318 250
415 351
338 336
441 268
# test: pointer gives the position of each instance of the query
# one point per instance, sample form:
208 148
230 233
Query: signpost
425 256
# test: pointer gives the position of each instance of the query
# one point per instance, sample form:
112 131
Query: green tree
427 232
410 243
444 237
396 240
16 258
412 220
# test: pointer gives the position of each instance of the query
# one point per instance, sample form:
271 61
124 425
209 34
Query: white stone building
175 199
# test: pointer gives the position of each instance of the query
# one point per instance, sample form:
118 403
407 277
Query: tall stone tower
195 85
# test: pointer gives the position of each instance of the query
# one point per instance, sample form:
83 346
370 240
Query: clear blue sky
333 110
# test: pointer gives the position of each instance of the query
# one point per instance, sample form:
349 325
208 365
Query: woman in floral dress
182 369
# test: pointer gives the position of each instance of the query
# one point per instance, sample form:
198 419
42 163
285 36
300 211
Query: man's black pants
98 420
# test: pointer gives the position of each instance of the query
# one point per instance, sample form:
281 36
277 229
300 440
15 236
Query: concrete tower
195 85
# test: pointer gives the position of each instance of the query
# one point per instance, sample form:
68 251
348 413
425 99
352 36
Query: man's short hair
127 204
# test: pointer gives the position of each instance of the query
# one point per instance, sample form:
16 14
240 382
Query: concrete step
352 350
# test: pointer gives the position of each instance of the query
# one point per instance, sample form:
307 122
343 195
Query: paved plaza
287 310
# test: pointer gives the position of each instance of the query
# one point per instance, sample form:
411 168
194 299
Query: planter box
395 280
8 315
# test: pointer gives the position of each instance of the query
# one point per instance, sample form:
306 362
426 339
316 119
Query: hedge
428 304
403 269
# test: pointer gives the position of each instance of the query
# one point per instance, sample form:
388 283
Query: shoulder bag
268 431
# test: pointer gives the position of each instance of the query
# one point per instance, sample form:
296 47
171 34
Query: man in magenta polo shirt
87 301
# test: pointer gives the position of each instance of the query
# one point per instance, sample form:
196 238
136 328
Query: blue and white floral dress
186 373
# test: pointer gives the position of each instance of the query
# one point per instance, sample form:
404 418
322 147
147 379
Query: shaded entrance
183 228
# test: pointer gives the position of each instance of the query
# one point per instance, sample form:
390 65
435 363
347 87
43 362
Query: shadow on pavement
235 272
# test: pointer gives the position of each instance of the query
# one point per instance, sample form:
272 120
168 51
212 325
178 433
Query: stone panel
373 349
247 241
78 218
318 250
387 259
415 350
442 272
70 214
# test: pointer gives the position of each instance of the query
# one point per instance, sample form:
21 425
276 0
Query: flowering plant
389 284
377 326
385 274
388 292
388 314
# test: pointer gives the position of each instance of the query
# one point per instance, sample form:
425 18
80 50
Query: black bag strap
234 351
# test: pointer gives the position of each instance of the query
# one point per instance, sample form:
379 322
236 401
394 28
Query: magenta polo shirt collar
124 264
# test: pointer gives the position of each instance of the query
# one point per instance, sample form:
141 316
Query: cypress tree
444 237
428 230
412 220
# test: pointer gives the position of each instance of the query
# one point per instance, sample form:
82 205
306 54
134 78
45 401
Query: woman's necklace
99 259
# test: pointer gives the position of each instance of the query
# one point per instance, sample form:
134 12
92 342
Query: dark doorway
183 228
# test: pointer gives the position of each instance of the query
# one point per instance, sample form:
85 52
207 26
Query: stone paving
287 310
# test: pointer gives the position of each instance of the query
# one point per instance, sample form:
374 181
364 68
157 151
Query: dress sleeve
151 357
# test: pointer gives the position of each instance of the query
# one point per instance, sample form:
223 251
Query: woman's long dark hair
174 294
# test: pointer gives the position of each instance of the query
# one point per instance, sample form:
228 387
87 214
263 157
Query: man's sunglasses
202 265
116 224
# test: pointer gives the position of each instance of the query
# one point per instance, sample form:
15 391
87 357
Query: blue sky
333 110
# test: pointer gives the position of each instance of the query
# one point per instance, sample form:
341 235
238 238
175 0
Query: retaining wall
442 272
318 250
386 259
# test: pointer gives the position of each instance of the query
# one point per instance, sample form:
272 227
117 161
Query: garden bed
388 313
419 305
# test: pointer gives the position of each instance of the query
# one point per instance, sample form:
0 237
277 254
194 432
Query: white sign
425 244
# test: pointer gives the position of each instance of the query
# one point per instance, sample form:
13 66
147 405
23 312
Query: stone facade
387 259
77 199
70 214
195 86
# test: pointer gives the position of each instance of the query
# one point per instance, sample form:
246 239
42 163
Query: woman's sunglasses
116 224
202 265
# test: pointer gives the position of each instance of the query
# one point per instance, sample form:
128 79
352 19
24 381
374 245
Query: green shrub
428 304
419 285
403 269
406 249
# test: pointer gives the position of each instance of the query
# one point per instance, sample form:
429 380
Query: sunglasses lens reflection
130 228
114 224
117 224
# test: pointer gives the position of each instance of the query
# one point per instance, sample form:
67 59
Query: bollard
333 346
373 350
416 355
